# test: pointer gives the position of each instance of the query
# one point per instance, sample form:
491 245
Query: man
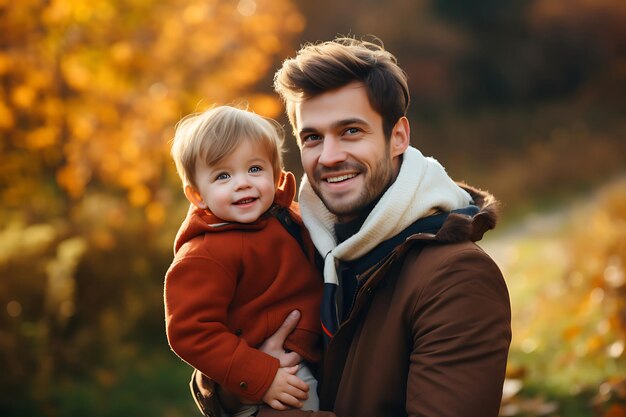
416 315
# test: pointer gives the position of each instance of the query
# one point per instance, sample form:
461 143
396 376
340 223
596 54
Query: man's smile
340 178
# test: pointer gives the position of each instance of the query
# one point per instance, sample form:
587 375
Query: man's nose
332 152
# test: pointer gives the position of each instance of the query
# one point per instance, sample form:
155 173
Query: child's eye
222 176
255 168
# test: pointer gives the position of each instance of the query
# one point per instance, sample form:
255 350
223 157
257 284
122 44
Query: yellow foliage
139 195
73 179
23 96
266 105
155 213
60 271
567 293
6 117
104 81
81 126
17 240
76 74
121 52
102 240
5 63
43 137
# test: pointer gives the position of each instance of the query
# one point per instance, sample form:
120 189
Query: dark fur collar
458 227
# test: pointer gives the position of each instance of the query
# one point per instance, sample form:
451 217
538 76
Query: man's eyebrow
347 122
306 130
335 125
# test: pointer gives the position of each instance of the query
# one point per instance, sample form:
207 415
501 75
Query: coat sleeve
198 291
461 335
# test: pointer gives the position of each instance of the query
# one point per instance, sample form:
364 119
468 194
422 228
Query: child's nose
241 182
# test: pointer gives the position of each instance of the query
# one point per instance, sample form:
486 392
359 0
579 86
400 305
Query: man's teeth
340 178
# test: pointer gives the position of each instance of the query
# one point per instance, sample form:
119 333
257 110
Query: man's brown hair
326 66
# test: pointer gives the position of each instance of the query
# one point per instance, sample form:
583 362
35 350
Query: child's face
240 187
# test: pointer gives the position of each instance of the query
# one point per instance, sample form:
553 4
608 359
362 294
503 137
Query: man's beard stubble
380 179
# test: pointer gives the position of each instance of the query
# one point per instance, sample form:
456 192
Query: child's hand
287 390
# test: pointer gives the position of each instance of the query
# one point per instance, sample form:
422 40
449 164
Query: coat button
238 332
243 385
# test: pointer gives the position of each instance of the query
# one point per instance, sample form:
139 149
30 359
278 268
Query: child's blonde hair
215 133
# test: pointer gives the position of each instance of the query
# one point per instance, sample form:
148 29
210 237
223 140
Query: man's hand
273 345
287 390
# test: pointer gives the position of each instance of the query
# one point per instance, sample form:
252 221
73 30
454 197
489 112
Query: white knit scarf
422 185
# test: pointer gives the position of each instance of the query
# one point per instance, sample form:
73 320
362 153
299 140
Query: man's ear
194 197
400 137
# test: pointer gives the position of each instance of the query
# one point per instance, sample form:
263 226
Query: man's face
343 148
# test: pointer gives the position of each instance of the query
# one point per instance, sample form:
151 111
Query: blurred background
524 98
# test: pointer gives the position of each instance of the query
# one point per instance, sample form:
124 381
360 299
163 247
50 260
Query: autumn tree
91 92
92 89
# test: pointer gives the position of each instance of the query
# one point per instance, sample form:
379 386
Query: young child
237 270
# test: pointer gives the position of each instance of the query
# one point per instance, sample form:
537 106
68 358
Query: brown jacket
230 287
429 332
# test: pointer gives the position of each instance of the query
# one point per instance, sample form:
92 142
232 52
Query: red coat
231 285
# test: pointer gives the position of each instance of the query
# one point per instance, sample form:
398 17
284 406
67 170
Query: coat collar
458 227
198 221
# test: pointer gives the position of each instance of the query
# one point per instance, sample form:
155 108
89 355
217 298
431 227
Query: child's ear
194 197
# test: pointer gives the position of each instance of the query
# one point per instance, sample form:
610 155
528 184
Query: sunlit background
524 98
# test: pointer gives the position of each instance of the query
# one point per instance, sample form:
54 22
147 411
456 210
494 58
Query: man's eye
222 176
255 168
311 138
352 130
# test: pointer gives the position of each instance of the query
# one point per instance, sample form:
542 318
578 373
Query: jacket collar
459 227
466 224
